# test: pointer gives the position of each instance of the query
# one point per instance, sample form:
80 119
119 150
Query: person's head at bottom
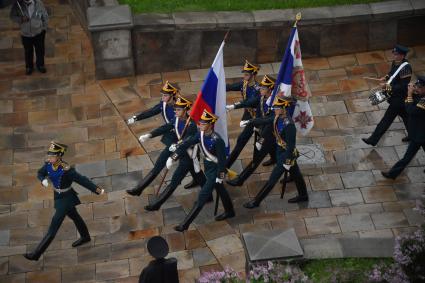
157 247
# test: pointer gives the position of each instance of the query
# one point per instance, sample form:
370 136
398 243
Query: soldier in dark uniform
250 91
213 148
166 108
161 269
286 154
398 94
415 106
183 126
169 137
265 142
61 176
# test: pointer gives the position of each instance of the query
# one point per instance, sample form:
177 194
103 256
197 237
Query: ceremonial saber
162 182
216 201
285 178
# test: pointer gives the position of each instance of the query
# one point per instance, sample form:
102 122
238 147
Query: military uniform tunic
250 102
286 153
167 112
416 129
65 198
396 101
214 150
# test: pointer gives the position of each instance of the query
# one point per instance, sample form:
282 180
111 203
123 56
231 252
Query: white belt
59 191
209 159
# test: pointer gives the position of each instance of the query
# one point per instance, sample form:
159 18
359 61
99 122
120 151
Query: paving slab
349 199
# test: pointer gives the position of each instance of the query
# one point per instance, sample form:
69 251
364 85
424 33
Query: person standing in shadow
161 269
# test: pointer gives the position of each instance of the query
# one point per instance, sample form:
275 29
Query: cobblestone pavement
348 196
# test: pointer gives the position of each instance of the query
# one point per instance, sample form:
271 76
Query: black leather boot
300 184
269 162
198 179
259 197
229 212
44 244
81 241
189 218
298 198
165 194
239 180
369 141
388 175
191 184
145 182
233 156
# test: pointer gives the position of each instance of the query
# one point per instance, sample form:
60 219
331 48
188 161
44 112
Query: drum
378 95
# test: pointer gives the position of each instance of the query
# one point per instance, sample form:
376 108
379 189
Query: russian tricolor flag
212 96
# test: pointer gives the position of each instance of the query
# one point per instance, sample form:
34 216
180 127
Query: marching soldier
61 176
265 143
415 106
169 137
250 94
166 108
398 94
183 127
213 148
286 154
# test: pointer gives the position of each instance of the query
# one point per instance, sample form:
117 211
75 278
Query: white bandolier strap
164 112
208 155
176 128
193 153
397 71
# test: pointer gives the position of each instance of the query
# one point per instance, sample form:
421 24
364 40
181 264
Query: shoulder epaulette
65 166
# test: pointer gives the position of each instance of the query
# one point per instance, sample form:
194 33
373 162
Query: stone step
347 247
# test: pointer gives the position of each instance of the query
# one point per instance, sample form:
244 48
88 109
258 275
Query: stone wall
190 40
169 42
80 8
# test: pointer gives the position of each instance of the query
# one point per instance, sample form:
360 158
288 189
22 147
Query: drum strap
396 72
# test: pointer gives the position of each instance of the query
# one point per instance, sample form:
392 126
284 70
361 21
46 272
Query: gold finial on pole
297 18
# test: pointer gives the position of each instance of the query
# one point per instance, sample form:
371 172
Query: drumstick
371 79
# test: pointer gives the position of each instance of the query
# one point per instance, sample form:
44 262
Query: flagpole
297 18
226 36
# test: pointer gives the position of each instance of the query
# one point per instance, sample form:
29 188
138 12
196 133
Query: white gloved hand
132 120
45 183
230 107
258 145
219 180
287 167
169 163
144 137
172 147
243 123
